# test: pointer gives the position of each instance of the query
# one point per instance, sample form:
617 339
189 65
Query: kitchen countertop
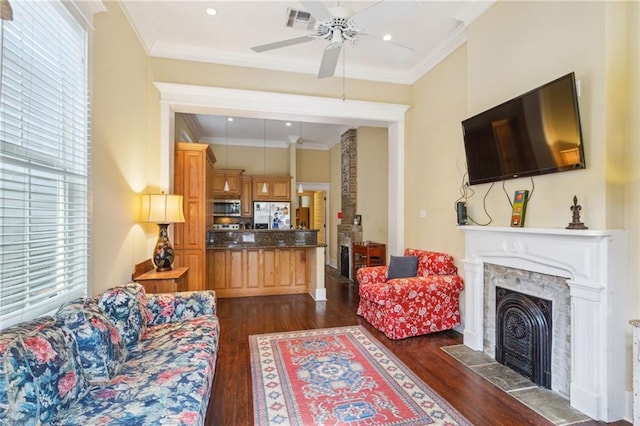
262 238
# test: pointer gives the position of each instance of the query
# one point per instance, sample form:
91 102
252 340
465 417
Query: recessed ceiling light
288 124
387 37
211 11
229 118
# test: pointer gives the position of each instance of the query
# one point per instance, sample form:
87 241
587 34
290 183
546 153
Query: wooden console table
164 282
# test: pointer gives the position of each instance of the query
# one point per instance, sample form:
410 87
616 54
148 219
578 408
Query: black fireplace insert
523 335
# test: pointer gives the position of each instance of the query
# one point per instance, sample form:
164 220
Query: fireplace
523 335
588 271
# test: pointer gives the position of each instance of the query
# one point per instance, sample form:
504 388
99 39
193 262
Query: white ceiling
183 30
243 131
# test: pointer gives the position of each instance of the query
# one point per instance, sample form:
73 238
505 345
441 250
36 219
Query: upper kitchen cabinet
278 188
233 178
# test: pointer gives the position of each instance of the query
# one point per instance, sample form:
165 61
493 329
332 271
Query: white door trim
182 98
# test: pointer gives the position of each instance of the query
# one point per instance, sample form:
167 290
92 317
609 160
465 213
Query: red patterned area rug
339 376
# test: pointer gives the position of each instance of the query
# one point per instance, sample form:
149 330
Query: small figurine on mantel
575 223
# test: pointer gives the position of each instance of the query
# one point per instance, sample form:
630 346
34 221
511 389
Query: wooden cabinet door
278 188
246 198
281 190
232 177
195 260
258 184
189 178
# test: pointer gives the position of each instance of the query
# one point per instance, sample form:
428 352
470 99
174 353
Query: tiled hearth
548 404
593 265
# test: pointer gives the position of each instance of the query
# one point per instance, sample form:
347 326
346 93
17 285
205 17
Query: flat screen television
533 134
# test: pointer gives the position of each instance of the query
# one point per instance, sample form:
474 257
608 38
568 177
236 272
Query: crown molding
253 60
85 9
193 125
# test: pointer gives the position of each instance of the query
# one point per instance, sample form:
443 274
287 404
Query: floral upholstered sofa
425 302
124 358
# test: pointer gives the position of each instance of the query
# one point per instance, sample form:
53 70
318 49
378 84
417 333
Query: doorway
175 98
315 197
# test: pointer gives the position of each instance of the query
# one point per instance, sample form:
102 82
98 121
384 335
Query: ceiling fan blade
378 47
317 9
329 60
383 12
282 43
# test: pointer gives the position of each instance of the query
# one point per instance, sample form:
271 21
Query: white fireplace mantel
594 263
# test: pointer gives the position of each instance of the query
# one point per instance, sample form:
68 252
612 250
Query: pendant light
226 152
264 155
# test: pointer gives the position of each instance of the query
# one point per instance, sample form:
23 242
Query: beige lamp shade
162 208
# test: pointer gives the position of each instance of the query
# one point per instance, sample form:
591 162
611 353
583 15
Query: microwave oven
226 208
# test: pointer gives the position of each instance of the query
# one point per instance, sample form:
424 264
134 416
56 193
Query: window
44 161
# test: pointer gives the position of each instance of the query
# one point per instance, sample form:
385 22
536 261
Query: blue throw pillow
402 267
101 349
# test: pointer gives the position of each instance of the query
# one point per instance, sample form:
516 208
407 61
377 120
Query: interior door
319 217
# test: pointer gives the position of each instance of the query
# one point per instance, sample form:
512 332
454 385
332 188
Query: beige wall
632 150
185 72
516 46
314 165
255 161
124 158
435 159
373 169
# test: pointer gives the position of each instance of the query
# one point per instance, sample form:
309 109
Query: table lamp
162 209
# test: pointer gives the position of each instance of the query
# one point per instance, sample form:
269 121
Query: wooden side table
164 282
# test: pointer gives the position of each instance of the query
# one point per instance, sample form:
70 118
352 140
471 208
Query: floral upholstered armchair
408 300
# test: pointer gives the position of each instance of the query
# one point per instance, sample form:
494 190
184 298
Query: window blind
44 161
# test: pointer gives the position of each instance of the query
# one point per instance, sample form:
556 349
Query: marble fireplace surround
594 263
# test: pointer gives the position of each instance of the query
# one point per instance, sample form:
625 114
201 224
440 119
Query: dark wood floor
231 400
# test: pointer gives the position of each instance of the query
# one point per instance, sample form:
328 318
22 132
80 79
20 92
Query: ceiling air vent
299 19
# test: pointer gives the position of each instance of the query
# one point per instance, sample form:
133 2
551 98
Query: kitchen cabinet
232 177
261 271
246 196
193 179
278 188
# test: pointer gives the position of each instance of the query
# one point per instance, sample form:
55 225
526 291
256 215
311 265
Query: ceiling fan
340 24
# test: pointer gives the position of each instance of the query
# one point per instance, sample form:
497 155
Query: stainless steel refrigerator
271 215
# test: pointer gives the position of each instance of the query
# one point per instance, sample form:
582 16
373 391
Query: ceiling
243 131
183 30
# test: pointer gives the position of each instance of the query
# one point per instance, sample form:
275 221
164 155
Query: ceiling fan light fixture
338 24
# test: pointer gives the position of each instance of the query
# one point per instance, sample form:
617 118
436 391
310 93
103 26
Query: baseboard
628 416
320 295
